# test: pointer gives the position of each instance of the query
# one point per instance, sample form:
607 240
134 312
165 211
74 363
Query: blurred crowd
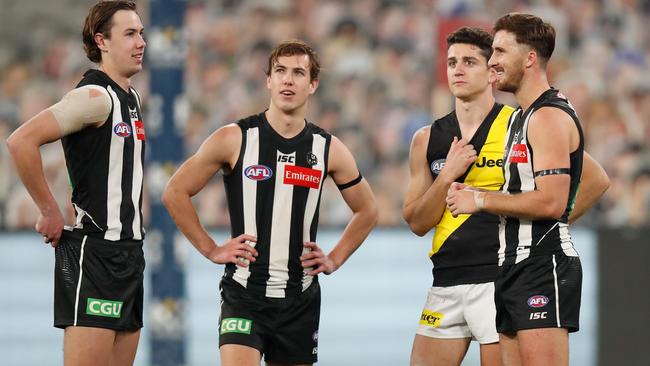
381 81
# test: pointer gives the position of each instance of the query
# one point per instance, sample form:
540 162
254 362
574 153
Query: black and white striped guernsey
520 238
105 166
274 194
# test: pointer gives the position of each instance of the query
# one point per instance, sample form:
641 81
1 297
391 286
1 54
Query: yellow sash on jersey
484 173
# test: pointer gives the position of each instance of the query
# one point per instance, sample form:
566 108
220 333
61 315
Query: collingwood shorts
539 292
98 283
284 330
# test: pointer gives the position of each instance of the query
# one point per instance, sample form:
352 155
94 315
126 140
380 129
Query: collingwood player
99 262
274 164
537 291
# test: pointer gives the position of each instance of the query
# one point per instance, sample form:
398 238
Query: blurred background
382 79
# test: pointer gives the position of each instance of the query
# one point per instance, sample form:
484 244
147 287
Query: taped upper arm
82 107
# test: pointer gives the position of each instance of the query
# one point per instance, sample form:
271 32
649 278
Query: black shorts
283 330
539 292
98 283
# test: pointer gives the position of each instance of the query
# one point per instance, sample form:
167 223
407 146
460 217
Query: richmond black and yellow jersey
464 248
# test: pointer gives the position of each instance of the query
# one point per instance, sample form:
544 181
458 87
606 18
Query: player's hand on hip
460 156
240 251
314 261
461 202
50 226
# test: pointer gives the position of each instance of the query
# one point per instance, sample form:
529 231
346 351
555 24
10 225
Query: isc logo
107 308
286 159
122 129
258 172
537 301
236 325
535 316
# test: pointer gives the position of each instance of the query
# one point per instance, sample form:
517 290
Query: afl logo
122 129
258 172
437 165
537 301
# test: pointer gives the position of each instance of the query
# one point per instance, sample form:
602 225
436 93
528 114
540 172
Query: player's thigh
239 355
490 354
544 346
429 351
84 346
124 348
509 346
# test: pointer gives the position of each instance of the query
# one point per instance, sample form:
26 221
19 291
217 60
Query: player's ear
100 41
492 76
313 85
531 58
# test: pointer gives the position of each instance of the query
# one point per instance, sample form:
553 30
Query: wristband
478 200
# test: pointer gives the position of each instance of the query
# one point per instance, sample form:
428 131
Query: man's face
290 83
125 48
468 74
508 60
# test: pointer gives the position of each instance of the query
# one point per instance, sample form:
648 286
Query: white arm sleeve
82 107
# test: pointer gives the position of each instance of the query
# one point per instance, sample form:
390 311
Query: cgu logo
106 308
537 301
258 172
489 163
122 129
236 325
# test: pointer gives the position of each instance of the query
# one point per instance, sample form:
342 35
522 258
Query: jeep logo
106 308
236 325
489 163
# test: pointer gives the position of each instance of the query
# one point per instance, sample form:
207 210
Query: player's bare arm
593 184
359 197
219 151
425 197
80 108
552 135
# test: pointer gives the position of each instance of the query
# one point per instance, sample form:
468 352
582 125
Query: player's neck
286 125
471 112
121 80
532 86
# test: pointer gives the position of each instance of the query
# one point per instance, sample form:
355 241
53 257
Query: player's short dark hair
474 36
100 20
529 30
295 47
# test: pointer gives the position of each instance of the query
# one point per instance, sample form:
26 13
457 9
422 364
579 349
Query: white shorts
461 311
